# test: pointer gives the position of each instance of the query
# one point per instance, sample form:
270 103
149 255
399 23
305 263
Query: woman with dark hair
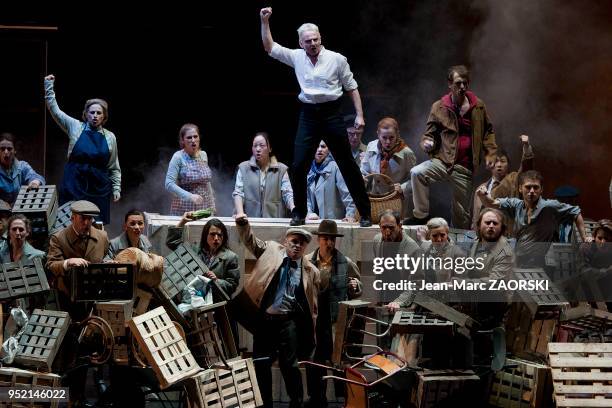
221 263
14 173
598 253
132 235
263 189
92 172
189 178
16 247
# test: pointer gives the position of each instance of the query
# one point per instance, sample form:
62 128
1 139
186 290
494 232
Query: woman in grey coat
327 194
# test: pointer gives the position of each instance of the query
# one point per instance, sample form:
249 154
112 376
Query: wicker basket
392 201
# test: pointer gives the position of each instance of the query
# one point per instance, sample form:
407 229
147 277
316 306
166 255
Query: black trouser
322 121
317 387
290 339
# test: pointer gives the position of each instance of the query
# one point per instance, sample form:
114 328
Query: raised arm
266 34
68 124
486 200
255 245
527 158
356 99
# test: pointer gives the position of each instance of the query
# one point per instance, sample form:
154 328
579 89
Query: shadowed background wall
543 69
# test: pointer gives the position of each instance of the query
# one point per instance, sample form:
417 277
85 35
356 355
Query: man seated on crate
339 281
76 246
282 292
536 220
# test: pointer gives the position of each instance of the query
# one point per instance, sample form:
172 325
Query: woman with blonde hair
92 172
189 178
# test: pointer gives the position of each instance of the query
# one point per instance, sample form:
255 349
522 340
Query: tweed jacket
63 245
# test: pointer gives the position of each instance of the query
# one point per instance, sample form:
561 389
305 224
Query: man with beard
458 128
282 289
323 76
536 219
339 281
503 184
392 241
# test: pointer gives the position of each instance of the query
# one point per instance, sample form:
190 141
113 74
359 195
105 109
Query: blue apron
86 174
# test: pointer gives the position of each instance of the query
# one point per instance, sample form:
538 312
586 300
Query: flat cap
84 207
299 231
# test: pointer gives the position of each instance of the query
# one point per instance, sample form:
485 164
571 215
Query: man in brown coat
459 136
76 246
283 288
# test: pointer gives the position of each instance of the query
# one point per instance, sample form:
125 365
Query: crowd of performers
291 298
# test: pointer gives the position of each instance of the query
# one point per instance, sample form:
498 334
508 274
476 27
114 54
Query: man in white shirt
323 76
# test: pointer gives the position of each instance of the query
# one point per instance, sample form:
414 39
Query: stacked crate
116 314
39 205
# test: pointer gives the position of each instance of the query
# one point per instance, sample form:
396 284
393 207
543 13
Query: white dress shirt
321 82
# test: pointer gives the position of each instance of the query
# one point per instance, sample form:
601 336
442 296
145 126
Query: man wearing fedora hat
339 281
282 290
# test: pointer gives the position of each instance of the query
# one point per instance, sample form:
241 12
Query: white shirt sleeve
283 54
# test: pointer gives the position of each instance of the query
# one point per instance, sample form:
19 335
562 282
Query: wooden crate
220 387
39 205
42 338
164 348
444 311
461 235
582 374
62 218
585 317
441 386
562 261
142 299
344 333
521 384
19 279
15 377
211 339
181 266
102 282
540 302
411 322
116 314
527 337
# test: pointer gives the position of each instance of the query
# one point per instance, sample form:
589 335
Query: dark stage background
543 68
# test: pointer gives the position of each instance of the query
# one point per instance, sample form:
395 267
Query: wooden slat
42 338
163 346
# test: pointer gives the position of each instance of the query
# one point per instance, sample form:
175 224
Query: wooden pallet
42 338
540 302
62 218
19 279
39 205
15 377
585 317
164 348
441 386
103 282
411 322
211 340
527 337
521 384
116 314
344 333
220 388
582 374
